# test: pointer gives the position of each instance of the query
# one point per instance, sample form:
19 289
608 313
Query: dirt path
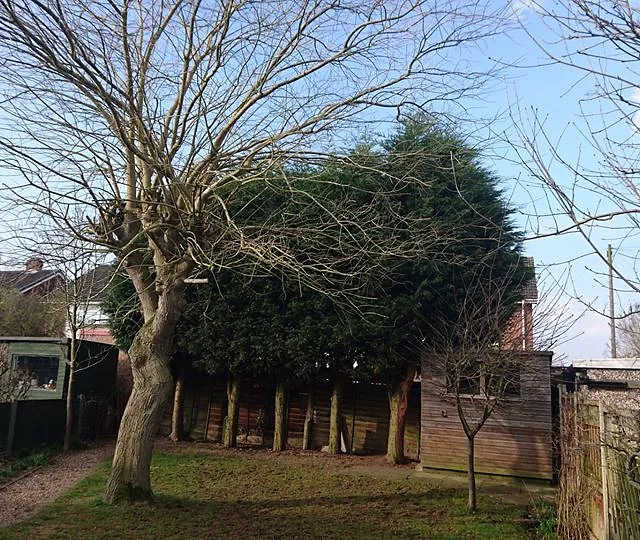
23 499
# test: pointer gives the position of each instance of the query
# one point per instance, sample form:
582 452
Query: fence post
80 416
603 466
13 413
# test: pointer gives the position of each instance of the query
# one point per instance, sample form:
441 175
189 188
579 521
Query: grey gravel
24 498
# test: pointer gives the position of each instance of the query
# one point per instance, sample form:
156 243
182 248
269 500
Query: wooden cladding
365 415
516 439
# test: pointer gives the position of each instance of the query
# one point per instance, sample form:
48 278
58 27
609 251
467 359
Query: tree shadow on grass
427 514
424 515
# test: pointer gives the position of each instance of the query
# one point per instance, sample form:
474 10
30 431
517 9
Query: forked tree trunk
230 433
308 421
471 473
152 386
281 406
398 404
177 417
335 418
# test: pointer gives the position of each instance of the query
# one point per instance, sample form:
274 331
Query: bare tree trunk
152 385
230 432
68 427
280 429
336 414
398 404
471 473
308 421
177 417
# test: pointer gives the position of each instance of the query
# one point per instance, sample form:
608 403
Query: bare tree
29 315
153 116
72 302
81 289
629 333
476 364
14 383
591 192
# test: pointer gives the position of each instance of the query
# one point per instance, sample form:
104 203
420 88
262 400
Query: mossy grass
259 496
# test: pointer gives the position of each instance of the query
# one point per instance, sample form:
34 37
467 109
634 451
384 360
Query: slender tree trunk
398 404
152 387
177 417
336 414
230 433
281 406
471 473
308 421
68 427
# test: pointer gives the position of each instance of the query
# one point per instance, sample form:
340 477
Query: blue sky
556 95
528 89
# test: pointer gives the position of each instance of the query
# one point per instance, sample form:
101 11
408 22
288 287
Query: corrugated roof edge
37 339
607 363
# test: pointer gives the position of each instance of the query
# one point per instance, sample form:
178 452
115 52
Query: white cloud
519 8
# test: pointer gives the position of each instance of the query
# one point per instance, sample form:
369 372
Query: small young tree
83 287
466 362
14 383
71 302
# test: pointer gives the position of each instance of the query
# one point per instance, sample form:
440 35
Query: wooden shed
39 417
516 439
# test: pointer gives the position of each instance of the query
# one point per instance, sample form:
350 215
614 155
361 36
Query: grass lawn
246 494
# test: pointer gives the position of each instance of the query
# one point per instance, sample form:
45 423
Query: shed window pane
505 385
465 377
42 370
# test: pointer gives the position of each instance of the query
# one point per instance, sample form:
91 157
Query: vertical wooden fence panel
365 414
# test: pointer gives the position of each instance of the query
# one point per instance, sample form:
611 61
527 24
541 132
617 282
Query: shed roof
607 363
40 339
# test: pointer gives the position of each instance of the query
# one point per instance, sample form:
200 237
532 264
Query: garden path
22 498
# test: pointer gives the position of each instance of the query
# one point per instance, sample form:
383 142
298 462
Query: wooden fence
29 424
600 471
365 414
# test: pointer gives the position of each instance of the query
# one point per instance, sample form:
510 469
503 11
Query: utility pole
612 313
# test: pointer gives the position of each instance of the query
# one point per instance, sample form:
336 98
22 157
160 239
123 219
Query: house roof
26 280
95 282
607 363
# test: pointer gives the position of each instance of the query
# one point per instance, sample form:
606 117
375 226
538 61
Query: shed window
473 379
466 377
42 370
505 385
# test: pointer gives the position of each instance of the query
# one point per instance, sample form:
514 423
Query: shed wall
516 439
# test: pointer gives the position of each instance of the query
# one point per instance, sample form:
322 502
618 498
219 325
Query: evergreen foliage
259 326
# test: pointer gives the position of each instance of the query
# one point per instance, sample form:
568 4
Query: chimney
34 264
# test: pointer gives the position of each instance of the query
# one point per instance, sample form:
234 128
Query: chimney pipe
34 264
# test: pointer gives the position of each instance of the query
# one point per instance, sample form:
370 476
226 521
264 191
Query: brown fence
599 494
365 412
